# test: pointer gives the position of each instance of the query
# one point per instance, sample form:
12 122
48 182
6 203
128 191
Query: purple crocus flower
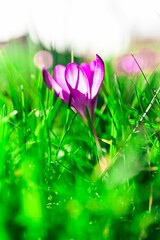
77 85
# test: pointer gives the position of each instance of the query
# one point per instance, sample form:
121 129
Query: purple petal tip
47 78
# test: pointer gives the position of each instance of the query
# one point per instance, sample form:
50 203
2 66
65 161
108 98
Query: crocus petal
52 84
78 85
88 71
97 77
76 78
49 81
59 76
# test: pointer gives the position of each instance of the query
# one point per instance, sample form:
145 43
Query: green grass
51 186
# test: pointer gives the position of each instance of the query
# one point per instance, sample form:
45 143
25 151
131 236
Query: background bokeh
105 26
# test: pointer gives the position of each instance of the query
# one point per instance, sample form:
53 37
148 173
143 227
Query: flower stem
90 123
72 56
98 146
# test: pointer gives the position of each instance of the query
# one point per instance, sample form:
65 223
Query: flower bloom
77 85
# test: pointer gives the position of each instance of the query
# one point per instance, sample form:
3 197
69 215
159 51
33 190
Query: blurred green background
51 186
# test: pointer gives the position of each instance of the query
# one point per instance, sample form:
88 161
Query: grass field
54 182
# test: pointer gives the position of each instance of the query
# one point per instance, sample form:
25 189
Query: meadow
55 183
